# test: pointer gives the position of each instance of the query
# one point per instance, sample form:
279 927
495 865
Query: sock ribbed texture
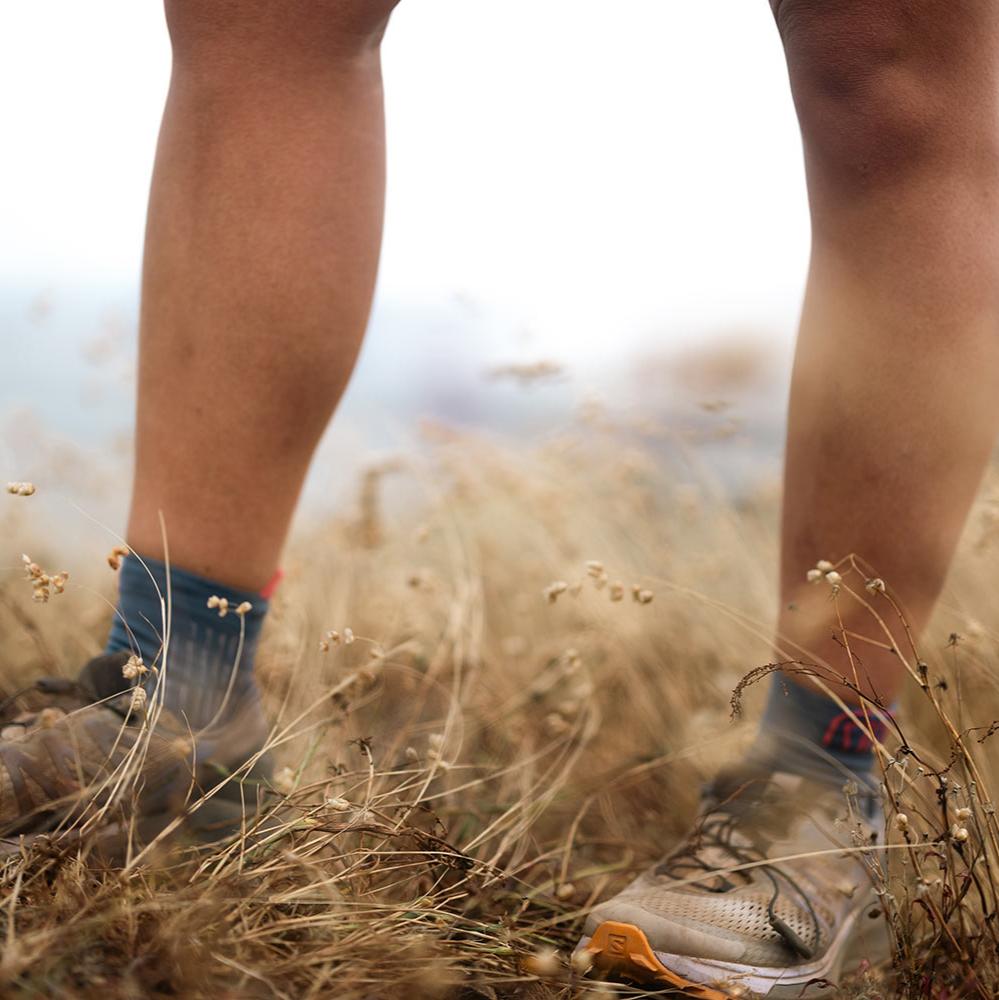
805 732
208 675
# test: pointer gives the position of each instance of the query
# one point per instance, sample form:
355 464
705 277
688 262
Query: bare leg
894 410
895 395
261 250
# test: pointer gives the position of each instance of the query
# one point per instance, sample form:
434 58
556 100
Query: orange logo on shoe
617 944
622 949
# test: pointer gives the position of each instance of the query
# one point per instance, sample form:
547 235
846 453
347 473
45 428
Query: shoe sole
621 950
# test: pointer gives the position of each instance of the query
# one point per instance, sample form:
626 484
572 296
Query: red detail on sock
268 592
834 723
842 731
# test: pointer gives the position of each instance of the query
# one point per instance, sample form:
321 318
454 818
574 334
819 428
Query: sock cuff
143 585
186 588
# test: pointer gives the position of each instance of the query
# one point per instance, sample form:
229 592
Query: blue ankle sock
805 732
208 673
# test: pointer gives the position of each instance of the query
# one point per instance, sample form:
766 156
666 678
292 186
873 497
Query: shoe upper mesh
710 898
741 914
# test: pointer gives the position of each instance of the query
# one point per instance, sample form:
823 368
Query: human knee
255 33
878 84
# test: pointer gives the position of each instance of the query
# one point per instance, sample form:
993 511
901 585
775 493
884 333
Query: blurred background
589 205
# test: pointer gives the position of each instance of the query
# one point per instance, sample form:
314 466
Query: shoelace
716 832
43 685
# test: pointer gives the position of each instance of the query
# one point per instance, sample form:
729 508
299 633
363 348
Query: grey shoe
768 894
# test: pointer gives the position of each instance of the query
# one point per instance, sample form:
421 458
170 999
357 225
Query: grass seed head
284 780
134 668
544 963
48 717
21 489
116 555
42 584
555 724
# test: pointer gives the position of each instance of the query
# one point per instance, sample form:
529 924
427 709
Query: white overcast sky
600 171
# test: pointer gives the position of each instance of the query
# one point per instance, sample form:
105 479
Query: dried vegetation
496 689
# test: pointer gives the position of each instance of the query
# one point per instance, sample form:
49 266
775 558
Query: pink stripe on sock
827 739
840 733
268 592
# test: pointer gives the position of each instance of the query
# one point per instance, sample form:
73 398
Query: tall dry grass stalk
496 690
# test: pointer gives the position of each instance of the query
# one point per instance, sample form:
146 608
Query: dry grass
483 763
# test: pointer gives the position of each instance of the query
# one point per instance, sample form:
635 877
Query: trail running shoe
84 753
726 915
